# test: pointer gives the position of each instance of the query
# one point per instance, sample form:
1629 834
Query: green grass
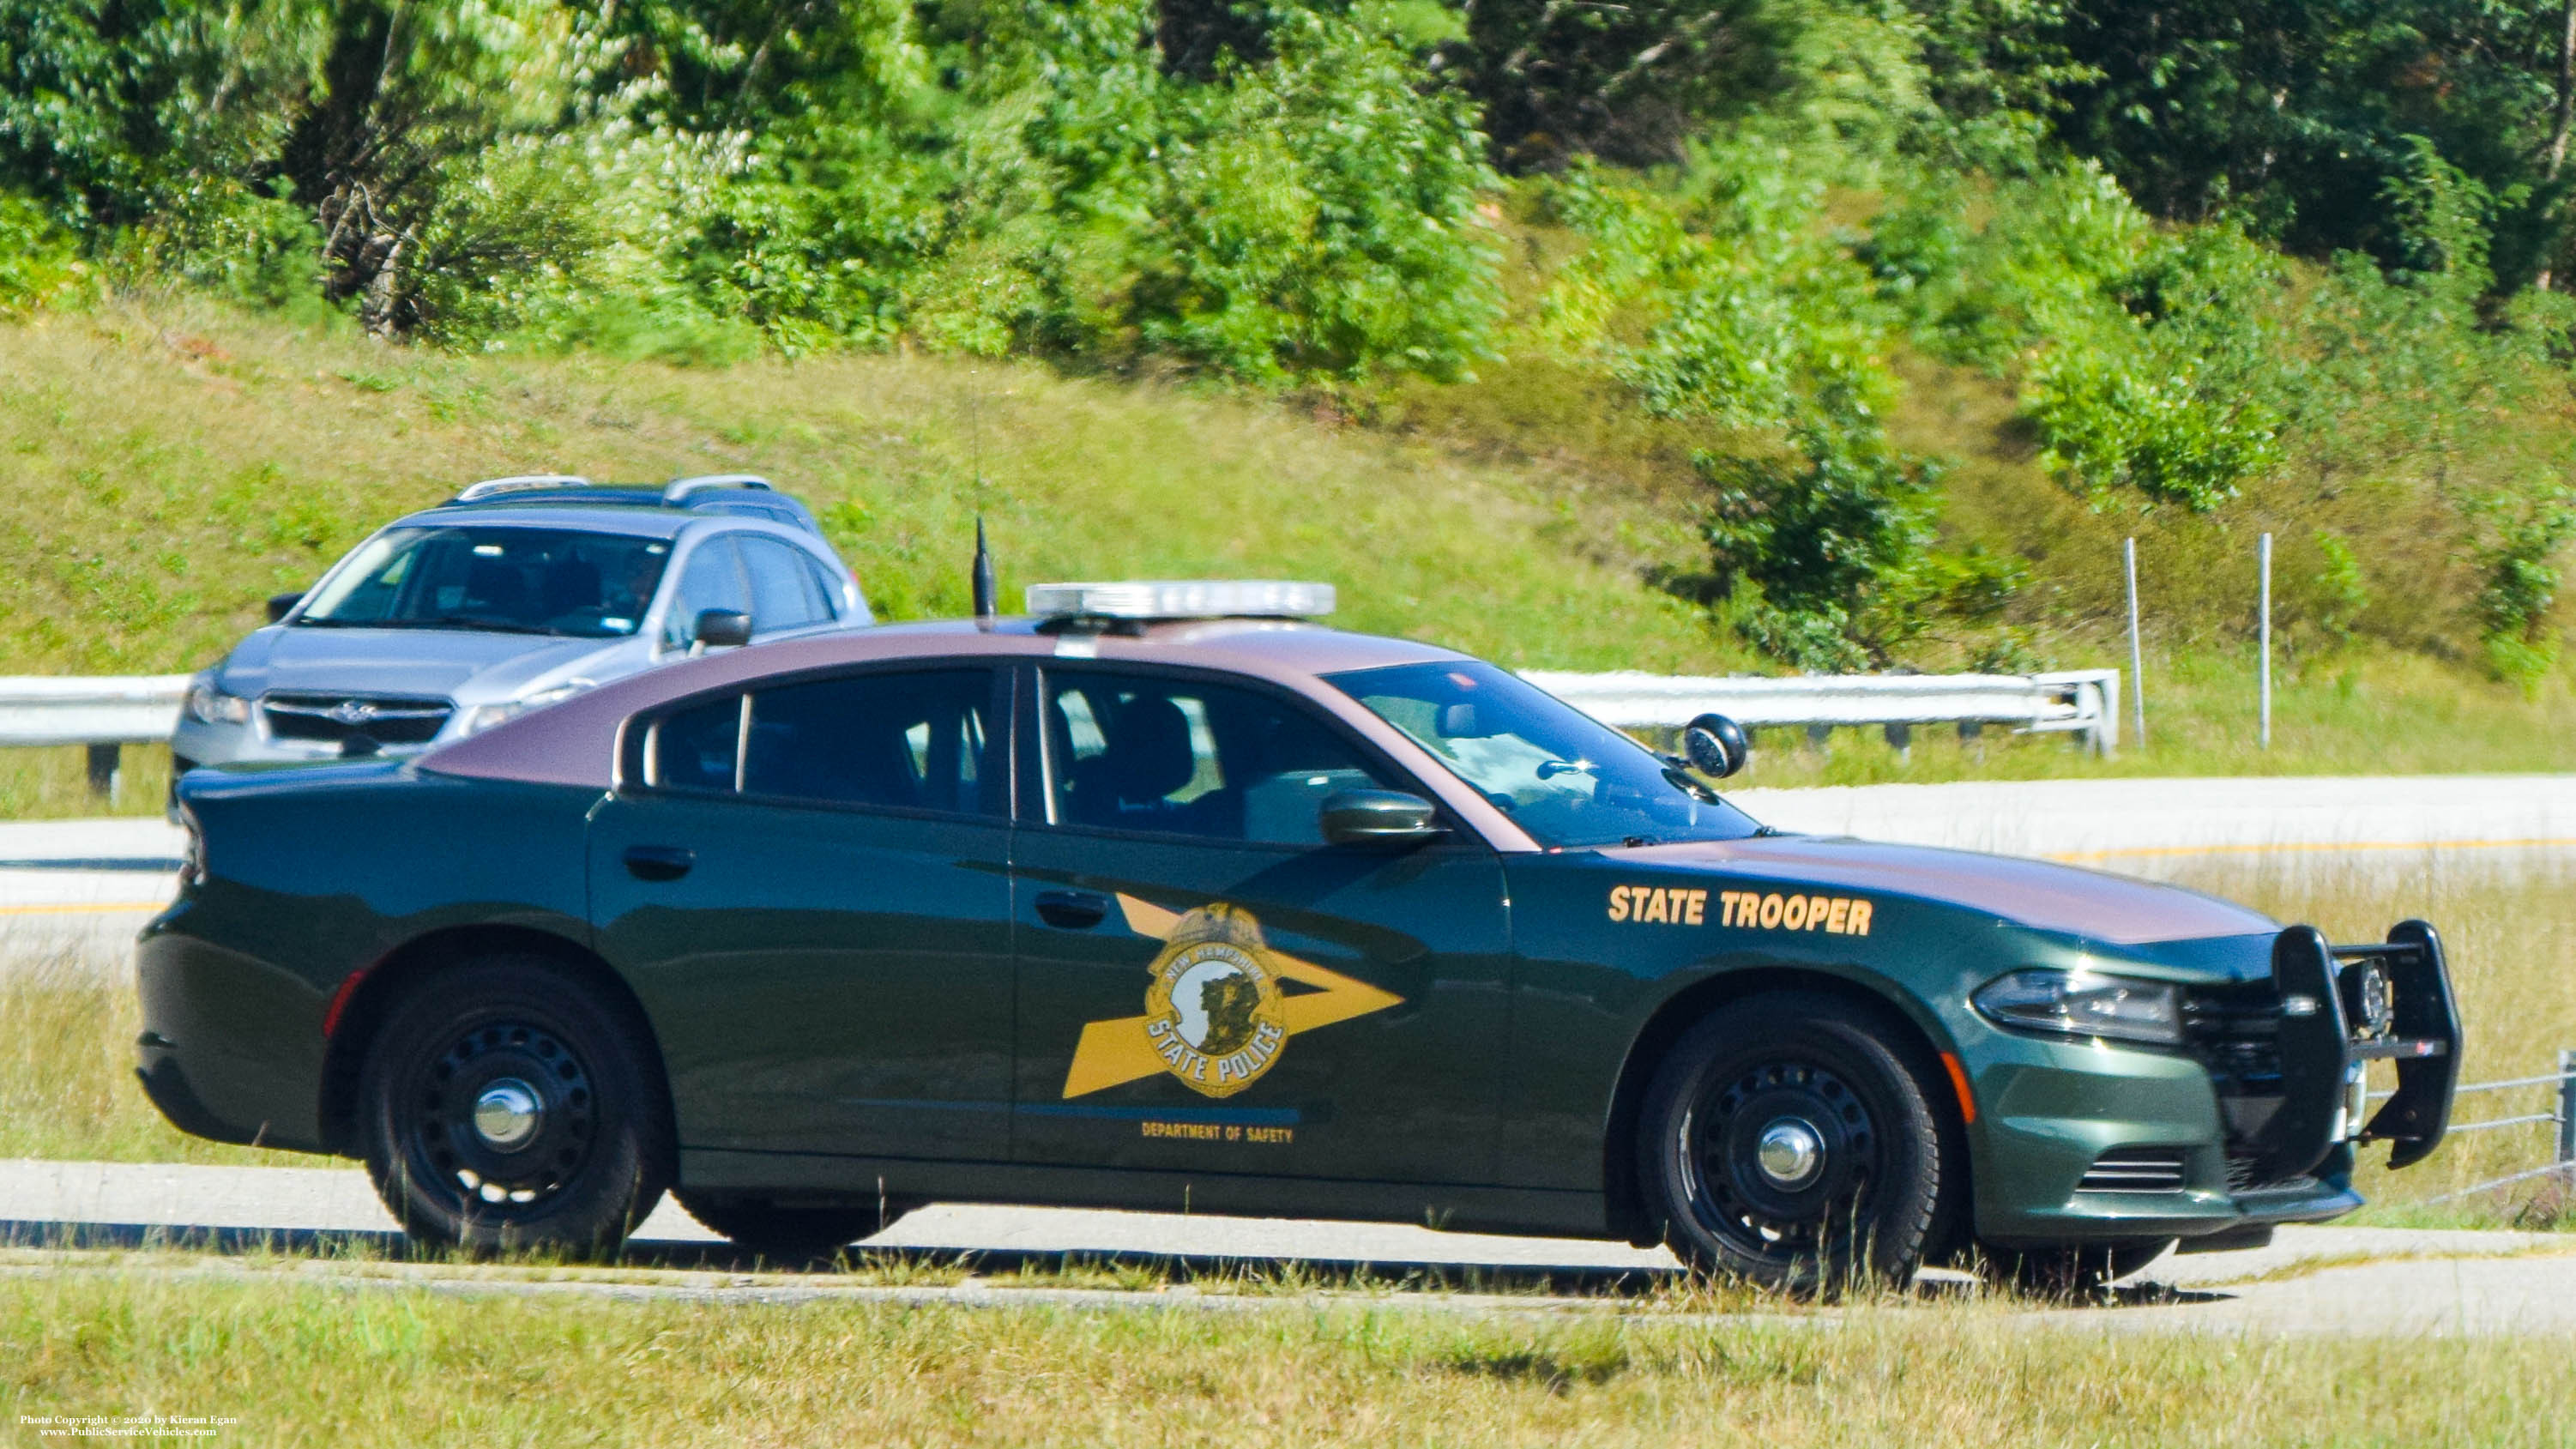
301 1363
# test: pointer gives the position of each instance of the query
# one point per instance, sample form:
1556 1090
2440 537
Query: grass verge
304 1364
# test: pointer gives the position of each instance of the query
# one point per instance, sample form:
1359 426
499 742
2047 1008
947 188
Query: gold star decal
1215 1053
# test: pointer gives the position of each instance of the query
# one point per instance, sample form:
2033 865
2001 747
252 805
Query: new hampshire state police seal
1213 1010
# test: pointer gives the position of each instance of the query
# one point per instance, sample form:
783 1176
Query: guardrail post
2566 1108
104 763
1900 738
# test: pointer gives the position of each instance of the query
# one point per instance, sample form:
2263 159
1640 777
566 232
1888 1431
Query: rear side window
699 748
916 740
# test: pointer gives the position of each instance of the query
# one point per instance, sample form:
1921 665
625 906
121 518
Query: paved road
2323 1280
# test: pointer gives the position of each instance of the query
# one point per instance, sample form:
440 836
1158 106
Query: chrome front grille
2135 1169
340 718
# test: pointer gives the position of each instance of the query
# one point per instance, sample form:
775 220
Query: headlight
2079 1003
209 705
483 717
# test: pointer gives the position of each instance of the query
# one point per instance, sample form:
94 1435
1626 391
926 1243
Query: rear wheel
505 1107
1785 1142
2066 1270
790 1232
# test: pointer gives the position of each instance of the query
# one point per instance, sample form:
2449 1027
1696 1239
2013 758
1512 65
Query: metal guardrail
2084 702
2564 1116
106 714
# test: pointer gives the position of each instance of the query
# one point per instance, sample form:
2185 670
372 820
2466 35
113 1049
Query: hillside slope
171 468
171 465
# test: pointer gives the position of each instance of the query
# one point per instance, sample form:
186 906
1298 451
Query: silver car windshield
511 580
1563 776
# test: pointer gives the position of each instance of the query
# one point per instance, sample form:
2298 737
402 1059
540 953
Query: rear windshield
512 580
1563 776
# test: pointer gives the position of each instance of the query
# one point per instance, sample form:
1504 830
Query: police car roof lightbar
1182 599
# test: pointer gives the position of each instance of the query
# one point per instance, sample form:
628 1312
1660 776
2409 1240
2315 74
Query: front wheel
506 1107
1785 1142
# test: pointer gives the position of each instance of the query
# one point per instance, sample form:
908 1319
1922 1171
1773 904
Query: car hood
466 665
2036 893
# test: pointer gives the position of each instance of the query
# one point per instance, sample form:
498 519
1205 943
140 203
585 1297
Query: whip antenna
982 576
984 591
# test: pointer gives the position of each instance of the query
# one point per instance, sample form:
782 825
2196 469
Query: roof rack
518 483
680 488
1182 599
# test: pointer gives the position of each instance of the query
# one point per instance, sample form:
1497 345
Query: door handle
1072 910
659 862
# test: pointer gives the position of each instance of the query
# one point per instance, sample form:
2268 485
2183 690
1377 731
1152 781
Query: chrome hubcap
1790 1152
507 1114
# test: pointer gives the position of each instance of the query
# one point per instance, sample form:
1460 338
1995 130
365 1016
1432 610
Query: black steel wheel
2068 1270
1785 1142
505 1107
794 1231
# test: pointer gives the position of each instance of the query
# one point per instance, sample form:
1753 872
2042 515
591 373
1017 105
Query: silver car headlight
208 705
2082 1003
483 717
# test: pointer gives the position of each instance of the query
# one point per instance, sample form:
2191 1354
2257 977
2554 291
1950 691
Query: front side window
509 580
711 579
1563 776
916 740
1140 752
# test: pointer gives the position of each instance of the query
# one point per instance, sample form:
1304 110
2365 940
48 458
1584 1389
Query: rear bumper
231 1048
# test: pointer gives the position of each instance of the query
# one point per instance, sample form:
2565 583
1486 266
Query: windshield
511 580
1563 776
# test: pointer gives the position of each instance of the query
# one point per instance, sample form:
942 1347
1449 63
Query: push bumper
2256 1123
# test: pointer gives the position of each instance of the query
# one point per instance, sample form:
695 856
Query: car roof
739 495
575 742
653 522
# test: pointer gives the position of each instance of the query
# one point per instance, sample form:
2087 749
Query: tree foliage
2203 248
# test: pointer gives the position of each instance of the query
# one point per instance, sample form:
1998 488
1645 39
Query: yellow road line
76 908
2143 851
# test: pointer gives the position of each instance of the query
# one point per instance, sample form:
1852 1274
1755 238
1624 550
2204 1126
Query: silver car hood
469 666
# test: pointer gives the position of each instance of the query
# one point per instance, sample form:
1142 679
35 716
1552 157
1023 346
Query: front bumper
2256 1123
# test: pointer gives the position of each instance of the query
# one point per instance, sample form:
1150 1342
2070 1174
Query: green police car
1166 897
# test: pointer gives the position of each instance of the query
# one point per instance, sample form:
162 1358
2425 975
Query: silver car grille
339 718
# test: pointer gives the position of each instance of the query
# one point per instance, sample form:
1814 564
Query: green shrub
2523 532
39 260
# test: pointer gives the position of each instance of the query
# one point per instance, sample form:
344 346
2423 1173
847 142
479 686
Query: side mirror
723 628
280 605
1351 817
1715 746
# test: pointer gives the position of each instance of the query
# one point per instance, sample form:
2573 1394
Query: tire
505 1106
2068 1270
795 1233
1854 1182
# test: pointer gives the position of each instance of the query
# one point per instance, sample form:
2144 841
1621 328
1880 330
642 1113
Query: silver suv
514 594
